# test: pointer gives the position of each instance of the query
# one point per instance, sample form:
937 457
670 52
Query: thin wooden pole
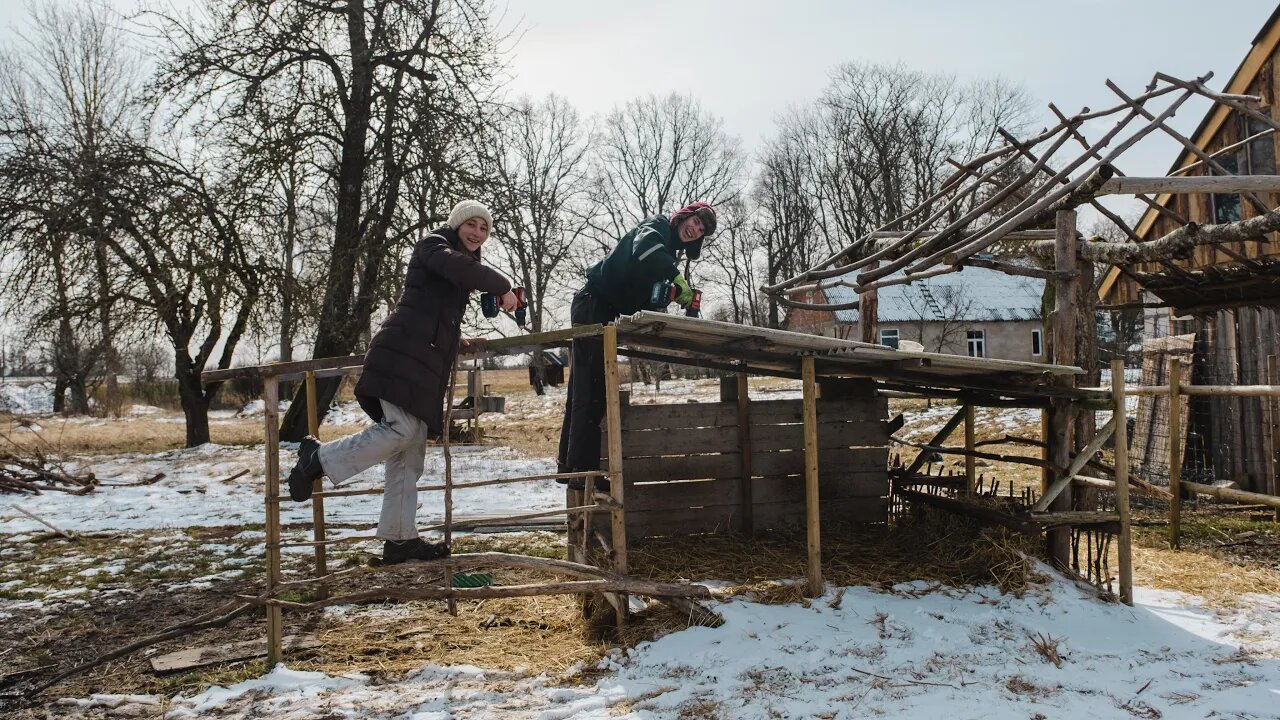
271 490
1273 378
970 461
812 506
1175 452
451 603
744 448
1121 438
613 417
317 503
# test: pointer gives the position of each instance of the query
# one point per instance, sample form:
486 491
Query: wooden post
744 447
1062 411
1120 437
271 493
613 418
317 503
812 506
970 462
1273 378
1175 452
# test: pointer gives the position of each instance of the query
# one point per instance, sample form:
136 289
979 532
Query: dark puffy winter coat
646 255
408 361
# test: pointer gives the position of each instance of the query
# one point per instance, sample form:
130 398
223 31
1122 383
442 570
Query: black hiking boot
303 476
398 551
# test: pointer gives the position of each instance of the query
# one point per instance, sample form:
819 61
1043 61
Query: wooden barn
1226 296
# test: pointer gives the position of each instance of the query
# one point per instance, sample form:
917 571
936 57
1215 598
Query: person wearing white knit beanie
405 379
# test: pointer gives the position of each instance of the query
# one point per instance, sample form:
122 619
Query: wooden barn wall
1197 208
682 465
1231 435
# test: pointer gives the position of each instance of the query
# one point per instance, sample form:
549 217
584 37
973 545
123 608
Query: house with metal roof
975 312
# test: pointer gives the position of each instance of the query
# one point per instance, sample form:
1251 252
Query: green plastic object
472 580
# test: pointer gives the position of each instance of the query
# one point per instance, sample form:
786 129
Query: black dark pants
584 406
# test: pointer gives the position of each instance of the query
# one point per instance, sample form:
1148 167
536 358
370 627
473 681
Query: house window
1261 152
1226 207
977 342
1037 343
889 337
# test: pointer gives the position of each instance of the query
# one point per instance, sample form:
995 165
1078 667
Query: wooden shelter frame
991 213
725 346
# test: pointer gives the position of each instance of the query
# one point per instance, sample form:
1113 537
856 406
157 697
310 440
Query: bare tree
657 153
736 264
67 98
539 162
377 64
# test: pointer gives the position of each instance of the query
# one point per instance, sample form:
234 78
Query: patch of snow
33 399
919 652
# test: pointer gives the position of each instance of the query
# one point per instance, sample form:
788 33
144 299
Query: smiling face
691 229
473 233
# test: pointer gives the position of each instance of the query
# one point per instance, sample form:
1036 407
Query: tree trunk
339 327
537 372
195 404
59 394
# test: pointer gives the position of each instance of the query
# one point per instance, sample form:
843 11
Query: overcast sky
750 60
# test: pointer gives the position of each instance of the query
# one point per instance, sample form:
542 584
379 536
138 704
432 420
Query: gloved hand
686 293
508 302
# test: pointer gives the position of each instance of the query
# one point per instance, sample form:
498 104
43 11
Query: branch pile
36 474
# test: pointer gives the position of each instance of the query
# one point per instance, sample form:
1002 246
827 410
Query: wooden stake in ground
1062 412
317 503
271 494
812 504
44 522
970 462
1121 434
1273 378
448 475
613 417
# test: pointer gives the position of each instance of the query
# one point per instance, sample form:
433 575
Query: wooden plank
763 412
728 491
938 439
1124 547
694 467
812 501
1064 324
613 429
765 438
768 516
192 658
1077 464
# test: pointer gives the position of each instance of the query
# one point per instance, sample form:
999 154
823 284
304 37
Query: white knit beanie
466 210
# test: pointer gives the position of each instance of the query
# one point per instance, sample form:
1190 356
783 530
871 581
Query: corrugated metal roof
974 294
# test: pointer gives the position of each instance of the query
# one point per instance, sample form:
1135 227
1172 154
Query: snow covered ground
195 491
918 651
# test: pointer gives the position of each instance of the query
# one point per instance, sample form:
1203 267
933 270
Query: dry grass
936 547
139 434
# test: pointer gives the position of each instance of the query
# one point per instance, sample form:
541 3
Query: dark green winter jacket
644 256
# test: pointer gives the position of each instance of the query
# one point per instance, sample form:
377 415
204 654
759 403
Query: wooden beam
940 437
613 420
1061 415
744 448
317 504
1124 548
1077 464
1273 377
1233 495
811 499
1229 184
970 462
271 489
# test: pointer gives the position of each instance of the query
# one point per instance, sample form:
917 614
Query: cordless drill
665 293
489 305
